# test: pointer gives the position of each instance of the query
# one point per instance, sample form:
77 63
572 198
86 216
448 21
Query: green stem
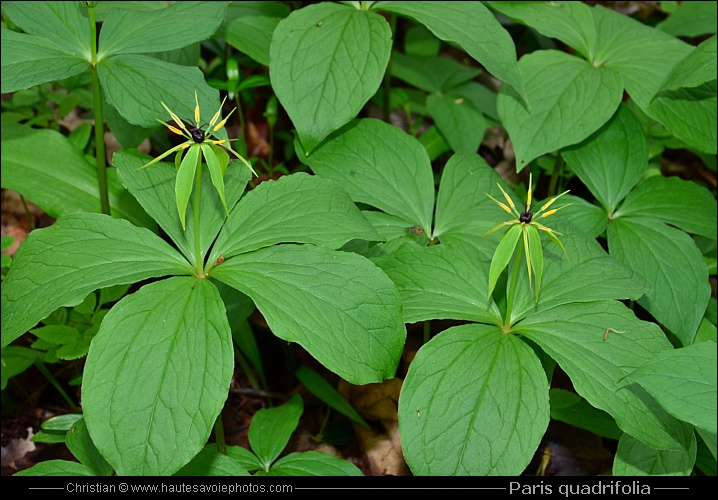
29 215
99 118
195 210
512 286
386 84
247 369
557 167
219 435
427 331
51 378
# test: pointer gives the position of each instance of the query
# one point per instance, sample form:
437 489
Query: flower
524 225
199 143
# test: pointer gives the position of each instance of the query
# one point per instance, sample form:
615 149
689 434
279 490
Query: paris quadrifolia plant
200 142
523 226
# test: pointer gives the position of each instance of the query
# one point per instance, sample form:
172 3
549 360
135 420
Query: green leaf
62 23
178 25
460 22
670 262
244 457
697 68
56 468
462 203
572 409
590 275
135 84
502 255
185 180
209 462
313 463
439 282
584 215
459 413
433 74
573 335
298 208
458 120
339 306
250 26
634 458
612 160
157 376
327 60
80 444
683 381
691 19
15 360
689 114
56 176
380 165
155 190
683 204
29 60
59 265
271 429
642 55
322 389
570 100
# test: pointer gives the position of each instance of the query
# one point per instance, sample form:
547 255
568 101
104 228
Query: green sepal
502 255
185 181
216 173
535 255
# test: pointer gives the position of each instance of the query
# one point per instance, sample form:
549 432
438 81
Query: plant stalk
386 84
557 167
99 118
51 378
219 435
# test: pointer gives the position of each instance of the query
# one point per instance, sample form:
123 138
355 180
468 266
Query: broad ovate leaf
271 429
635 458
684 204
380 165
573 335
570 99
59 265
612 160
58 178
440 282
29 60
298 208
126 31
670 262
474 28
337 305
157 376
326 61
474 402
683 381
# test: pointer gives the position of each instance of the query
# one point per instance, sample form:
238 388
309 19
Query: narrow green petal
249 165
502 255
552 234
165 154
491 231
527 250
